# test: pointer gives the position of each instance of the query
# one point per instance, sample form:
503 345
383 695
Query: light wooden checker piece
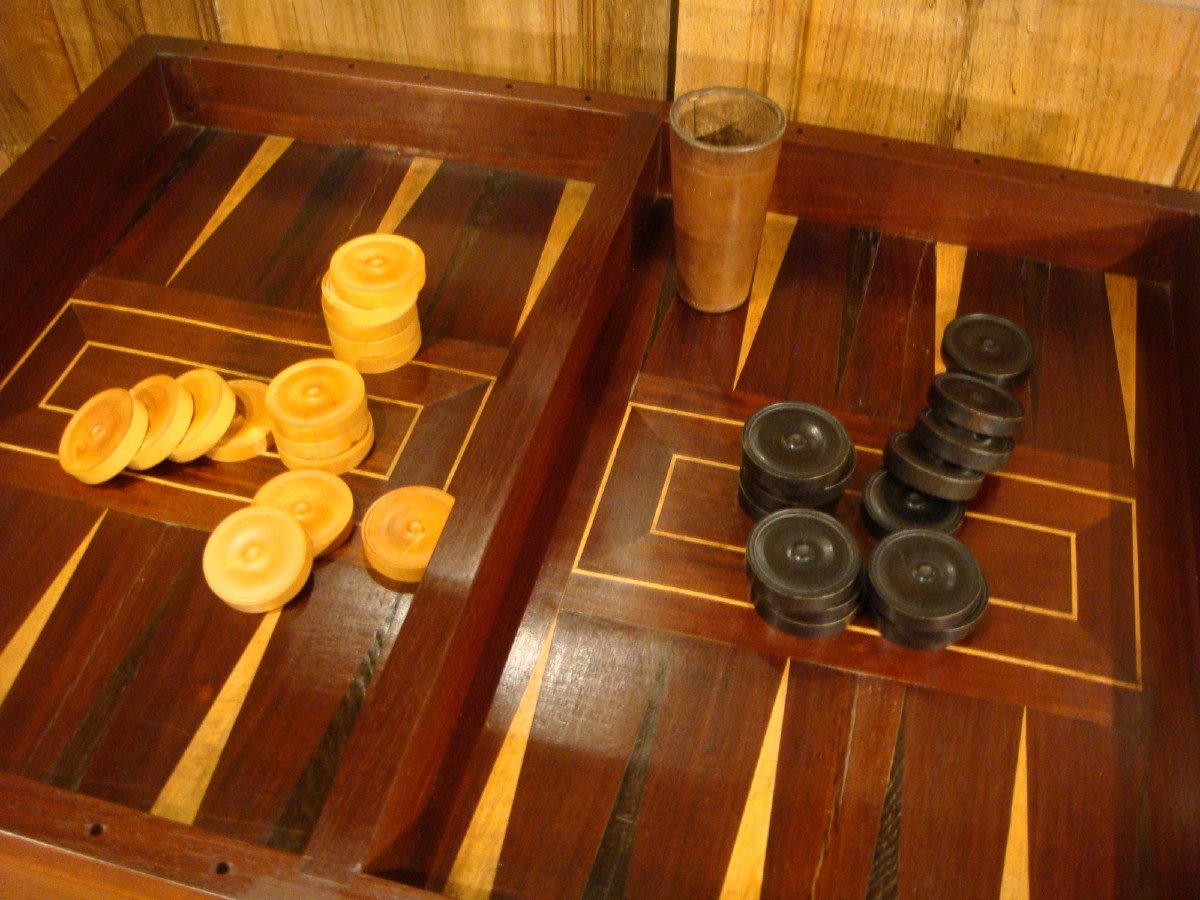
214 406
318 450
374 271
169 406
361 324
336 464
103 436
321 502
388 346
401 530
316 400
249 434
257 559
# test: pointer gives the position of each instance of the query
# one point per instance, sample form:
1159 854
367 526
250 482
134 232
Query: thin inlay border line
578 569
739 549
100 345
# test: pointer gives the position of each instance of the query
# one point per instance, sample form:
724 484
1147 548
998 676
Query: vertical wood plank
701 767
960 755
1074 771
1079 86
1076 370
601 686
776 236
897 312
1122 311
570 207
474 871
181 796
416 178
1015 882
16 651
950 258
794 352
264 158
35 70
744 876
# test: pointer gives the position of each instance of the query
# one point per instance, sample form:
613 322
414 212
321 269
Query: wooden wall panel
1109 86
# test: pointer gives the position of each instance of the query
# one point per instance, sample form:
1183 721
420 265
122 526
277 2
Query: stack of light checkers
159 418
805 572
794 455
318 411
964 433
925 589
401 529
369 297
260 557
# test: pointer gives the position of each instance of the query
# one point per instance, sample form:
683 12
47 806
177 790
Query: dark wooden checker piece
915 466
891 505
957 445
976 405
989 347
803 562
795 450
924 581
805 628
916 640
758 502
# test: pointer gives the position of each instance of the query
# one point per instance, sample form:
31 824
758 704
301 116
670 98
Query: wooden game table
578 699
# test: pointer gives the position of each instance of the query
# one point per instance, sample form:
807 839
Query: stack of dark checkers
925 589
964 433
805 572
794 455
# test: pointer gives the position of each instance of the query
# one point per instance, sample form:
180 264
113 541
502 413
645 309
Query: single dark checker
805 571
917 467
975 405
989 347
891 505
795 450
925 588
954 444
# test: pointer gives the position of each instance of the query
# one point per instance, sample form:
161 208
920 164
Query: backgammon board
579 699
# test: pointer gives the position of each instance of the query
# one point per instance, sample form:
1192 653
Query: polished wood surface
579 699
1105 86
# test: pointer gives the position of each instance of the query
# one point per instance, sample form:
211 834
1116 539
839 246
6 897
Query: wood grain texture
1092 86
986 85
612 45
474 872
180 798
603 497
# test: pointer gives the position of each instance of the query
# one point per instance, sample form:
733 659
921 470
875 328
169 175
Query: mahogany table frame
66 201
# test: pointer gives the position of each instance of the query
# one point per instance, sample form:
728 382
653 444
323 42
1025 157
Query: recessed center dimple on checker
802 552
796 441
924 573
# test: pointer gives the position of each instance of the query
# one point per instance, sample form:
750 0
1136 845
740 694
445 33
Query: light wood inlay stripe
474 870
181 796
1015 883
744 876
19 646
570 207
950 260
420 172
777 234
266 156
1122 311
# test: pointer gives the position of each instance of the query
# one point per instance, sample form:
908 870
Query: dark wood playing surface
579 698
